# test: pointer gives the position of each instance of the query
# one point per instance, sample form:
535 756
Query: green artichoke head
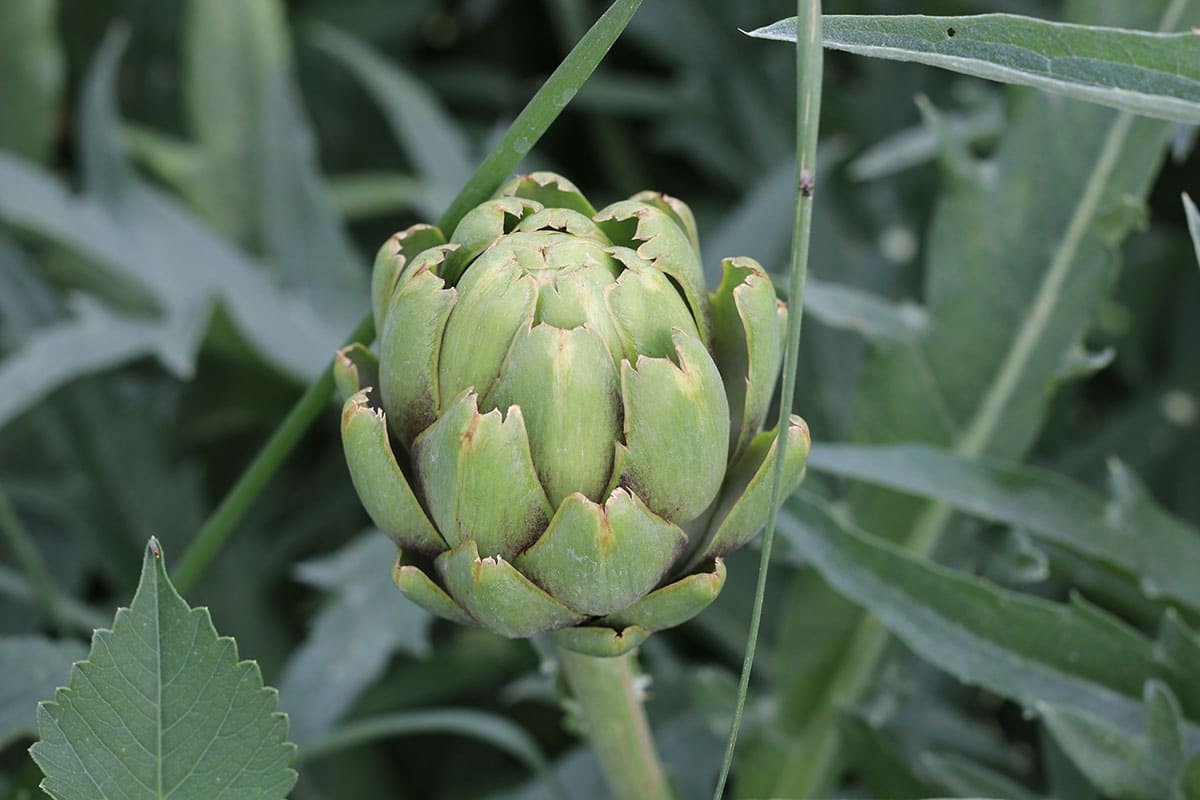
562 429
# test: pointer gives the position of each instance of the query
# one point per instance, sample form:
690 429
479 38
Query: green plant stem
45 594
616 724
522 135
809 63
542 110
208 542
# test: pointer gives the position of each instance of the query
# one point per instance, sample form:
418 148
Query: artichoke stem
616 724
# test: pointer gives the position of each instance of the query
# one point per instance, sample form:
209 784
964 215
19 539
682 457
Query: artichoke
561 431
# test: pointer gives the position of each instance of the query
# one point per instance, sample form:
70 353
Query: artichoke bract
562 429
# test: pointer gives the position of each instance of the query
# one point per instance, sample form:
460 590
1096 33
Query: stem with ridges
616 724
809 63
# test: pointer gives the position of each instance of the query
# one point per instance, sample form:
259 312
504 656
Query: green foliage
161 707
34 665
1155 74
986 586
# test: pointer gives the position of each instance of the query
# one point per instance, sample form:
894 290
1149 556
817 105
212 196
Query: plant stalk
208 542
616 724
809 70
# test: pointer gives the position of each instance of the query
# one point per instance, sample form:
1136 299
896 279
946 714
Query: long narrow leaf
31 76
433 142
1030 650
1154 74
1143 540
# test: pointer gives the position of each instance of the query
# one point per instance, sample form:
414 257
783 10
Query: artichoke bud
557 399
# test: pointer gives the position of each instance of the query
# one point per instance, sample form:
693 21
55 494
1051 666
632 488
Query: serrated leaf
1155 74
1030 650
1140 538
1124 764
33 667
163 708
31 76
352 638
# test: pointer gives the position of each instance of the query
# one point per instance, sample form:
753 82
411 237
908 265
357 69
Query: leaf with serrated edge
162 707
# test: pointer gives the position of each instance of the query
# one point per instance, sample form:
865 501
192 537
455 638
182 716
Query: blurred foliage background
190 195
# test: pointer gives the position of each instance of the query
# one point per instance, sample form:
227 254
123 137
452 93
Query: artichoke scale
379 481
496 594
477 478
600 559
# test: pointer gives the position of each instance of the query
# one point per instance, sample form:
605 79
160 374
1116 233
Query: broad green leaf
26 299
1154 74
965 777
163 708
33 667
138 237
92 341
1033 651
1138 537
233 52
877 319
1018 257
1019 254
1124 764
261 181
880 762
352 638
919 145
15 585
174 162
1193 221
31 76
435 145
487 727
375 194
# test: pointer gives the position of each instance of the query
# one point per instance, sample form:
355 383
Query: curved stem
208 542
616 724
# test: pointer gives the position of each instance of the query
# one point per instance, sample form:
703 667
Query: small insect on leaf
154 549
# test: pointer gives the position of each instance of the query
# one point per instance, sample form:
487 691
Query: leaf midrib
158 659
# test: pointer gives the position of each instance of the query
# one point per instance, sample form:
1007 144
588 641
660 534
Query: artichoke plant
562 429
